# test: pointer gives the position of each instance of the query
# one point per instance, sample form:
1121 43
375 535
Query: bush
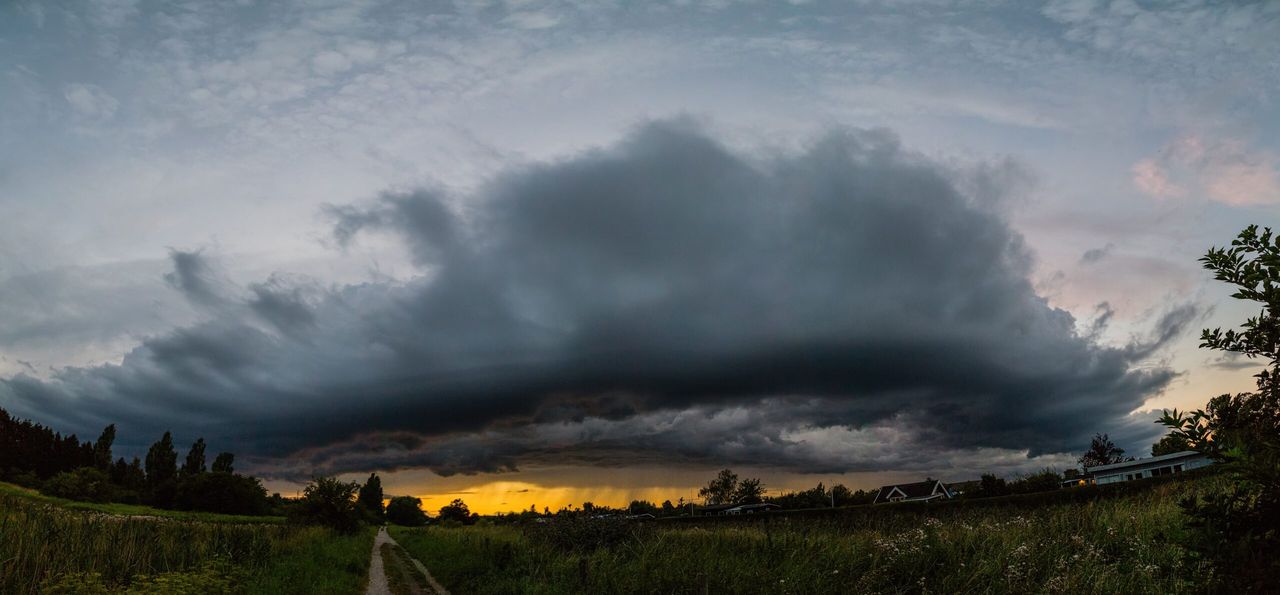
225 493
406 511
85 484
329 502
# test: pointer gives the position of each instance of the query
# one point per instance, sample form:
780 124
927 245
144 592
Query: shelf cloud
851 305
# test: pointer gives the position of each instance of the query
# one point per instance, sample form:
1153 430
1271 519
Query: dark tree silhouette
456 511
749 491
721 489
330 502
162 461
406 511
1102 451
223 463
1170 444
194 464
370 498
102 448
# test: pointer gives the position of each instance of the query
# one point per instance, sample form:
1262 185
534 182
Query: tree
721 489
1237 529
370 498
194 464
749 491
225 493
668 509
456 511
1102 451
990 486
330 502
223 463
1170 444
102 448
162 461
407 511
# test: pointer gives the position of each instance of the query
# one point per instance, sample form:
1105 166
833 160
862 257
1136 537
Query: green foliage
1237 529
328 502
581 533
1170 443
102 448
86 483
50 546
406 511
162 461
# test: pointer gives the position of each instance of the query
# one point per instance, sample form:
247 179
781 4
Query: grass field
49 546
134 510
1111 545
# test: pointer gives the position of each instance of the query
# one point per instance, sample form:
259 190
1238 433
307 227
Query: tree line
36 456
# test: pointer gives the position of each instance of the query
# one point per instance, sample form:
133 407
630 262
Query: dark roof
919 489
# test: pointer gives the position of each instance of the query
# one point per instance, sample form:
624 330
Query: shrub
86 484
226 493
329 502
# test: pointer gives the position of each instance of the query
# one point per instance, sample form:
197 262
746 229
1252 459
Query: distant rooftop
1186 454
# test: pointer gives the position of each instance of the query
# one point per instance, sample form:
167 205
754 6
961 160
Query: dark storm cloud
1095 255
194 278
665 297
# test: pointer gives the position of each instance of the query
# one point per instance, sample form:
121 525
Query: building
1151 467
752 508
921 491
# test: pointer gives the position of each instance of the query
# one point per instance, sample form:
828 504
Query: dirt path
392 571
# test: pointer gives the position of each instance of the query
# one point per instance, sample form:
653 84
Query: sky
549 252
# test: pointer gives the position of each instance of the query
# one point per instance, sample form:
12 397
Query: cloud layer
842 307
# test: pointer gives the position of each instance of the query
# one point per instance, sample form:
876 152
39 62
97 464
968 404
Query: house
752 508
1077 481
921 491
712 509
1151 467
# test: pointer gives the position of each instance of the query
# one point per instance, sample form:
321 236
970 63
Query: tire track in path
392 571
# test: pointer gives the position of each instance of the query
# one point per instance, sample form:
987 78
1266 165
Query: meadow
53 546
1121 544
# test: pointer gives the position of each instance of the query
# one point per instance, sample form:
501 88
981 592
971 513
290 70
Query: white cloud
532 20
90 100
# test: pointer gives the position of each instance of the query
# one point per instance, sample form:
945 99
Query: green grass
316 561
134 510
48 546
1112 545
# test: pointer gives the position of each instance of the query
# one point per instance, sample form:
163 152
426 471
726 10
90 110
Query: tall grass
44 547
1116 545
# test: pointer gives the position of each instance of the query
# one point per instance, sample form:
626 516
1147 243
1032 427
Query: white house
1153 467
